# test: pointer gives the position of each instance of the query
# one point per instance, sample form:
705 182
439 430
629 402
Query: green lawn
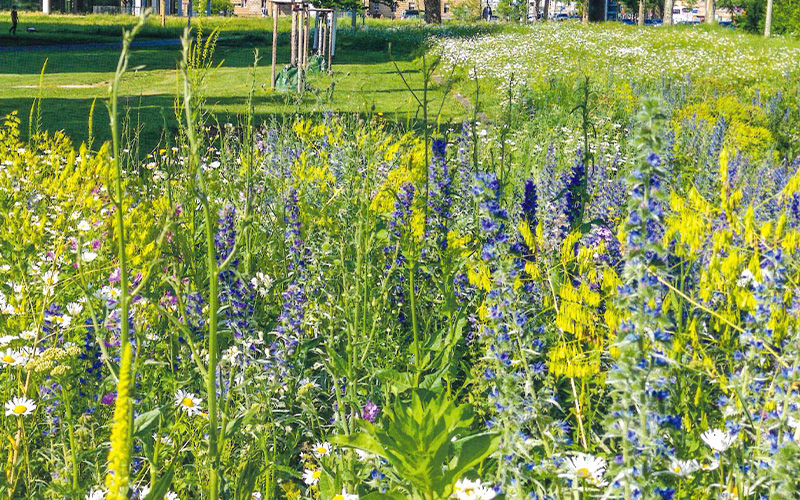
364 80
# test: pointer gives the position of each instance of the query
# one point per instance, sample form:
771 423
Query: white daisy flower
13 358
20 407
322 449
718 440
50 280
311 476
711 465
84 226
96 495
88 256
7 339
344 495
306 385
28 335
63 321
684 468
171 495
188 402
165 440
261 282
585 467
74 308
466 489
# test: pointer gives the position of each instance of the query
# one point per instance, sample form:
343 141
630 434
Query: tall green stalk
214 445
122 437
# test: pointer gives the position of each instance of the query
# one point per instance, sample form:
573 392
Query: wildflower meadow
587 286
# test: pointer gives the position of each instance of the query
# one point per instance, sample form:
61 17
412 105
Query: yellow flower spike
532 270
766 230
483 312
723 176
540 235
527 235
780 228
119 457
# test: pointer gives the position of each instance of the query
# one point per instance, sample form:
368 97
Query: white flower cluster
551 50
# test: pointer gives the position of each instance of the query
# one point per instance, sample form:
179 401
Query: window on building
412 6
446 8
376 7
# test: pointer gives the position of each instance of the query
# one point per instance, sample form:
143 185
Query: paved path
92 46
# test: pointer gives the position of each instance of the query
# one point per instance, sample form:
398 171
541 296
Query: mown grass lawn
365 79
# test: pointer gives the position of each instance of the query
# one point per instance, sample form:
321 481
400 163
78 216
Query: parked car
561 17
413 14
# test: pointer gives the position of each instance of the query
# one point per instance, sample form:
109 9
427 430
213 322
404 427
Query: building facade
407 8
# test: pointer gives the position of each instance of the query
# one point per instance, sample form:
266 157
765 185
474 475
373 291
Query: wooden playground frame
300 42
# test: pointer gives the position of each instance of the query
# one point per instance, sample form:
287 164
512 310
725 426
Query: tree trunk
641 12
162 9
433 12
293 39
668 6
546 11
768 20
274 42
585 14
710 7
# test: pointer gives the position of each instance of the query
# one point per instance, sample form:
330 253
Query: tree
221 7
511 9
668 6
768 20
433 12
641 12
710 8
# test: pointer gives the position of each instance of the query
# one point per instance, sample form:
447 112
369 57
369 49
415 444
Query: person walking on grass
14 20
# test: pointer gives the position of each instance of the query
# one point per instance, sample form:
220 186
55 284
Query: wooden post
334 24
330 41
293 58
307 38
322 29
274 42
300 50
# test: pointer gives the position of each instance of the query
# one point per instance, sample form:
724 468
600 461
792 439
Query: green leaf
235 424
398 382
160 488
470 452
246 482
389 495
365 441
145 422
